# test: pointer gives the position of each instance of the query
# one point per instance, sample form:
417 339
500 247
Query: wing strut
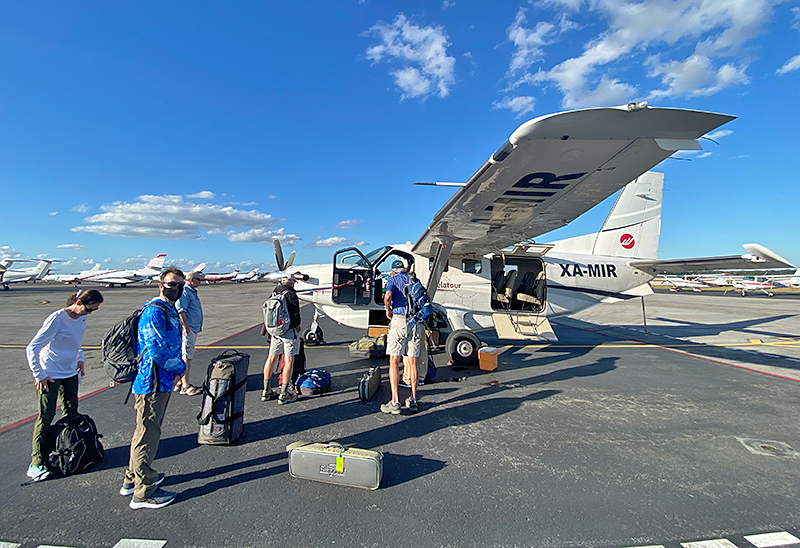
439 262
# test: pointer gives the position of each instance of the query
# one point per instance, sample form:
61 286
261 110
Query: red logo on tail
627 241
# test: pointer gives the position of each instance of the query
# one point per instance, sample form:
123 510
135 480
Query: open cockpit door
351 274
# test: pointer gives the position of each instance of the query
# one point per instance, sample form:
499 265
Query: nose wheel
313 335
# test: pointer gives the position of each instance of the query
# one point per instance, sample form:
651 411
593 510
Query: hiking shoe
268 394
127 486
38 472
287 397
391 408
158 499
411 405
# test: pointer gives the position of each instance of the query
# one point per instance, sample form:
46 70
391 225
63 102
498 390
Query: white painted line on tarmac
9 544
766 540
51 546
139 543
713 543
650 546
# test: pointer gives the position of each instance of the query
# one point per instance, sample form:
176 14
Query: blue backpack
313 382
418 303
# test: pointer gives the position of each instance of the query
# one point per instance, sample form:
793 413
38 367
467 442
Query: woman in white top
56 360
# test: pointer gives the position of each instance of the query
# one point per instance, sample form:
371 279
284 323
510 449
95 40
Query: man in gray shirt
191 313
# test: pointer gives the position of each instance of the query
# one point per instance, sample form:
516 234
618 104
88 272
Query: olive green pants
67 390
150 411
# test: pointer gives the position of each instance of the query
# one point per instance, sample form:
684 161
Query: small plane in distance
9 275
478 259
246 277
214 277
679 283
112 277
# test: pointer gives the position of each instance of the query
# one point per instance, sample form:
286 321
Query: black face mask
173 293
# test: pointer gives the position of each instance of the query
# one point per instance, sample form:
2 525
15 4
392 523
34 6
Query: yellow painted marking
755 341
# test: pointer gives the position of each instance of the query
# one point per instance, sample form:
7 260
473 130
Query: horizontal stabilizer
759 258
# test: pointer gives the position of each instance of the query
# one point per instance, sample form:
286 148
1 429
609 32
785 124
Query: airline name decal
589 271
448 285
540 185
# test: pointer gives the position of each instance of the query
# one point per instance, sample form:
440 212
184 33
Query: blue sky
202 129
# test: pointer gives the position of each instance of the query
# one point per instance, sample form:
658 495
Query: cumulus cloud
348 224
420 55
336 241
794 62
519 105
689 48
202 195
70 246
82 208
173 218
262 235
8 252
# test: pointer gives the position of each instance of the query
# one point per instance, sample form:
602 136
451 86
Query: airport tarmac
611 437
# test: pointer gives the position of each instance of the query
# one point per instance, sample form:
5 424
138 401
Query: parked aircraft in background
124 277
246 277
214 278
788 281
15 275
679 283
550 171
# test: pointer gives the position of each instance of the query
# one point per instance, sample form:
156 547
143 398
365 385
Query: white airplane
124 277
214 278
788 281
551 170
9 275
246 277
679 283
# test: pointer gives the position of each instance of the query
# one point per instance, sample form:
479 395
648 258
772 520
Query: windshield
375 254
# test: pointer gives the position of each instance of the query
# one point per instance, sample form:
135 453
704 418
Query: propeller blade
291 258
278 253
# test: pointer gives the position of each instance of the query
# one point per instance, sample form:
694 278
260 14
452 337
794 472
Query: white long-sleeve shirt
56 349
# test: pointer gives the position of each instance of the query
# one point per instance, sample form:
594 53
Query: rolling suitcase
333 463
369 384
221 417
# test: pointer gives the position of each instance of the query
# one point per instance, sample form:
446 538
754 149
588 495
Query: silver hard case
317 461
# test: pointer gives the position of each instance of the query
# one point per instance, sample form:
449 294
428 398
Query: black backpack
119 346
76 445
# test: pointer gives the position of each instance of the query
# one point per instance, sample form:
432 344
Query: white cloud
719 134
447 4
70 246
425 68
53 213
8 252
82 208
170 217
336 241
348 224
262 235
791 64
690 47
705 155
520 105
202 195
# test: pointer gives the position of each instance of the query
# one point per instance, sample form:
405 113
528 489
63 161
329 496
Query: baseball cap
398 265
195 275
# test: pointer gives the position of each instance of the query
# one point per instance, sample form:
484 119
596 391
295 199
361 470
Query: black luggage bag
221 417
75 445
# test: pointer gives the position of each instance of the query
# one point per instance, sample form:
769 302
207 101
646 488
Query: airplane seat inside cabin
506 290
531 291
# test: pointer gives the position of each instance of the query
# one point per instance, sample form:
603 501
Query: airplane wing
556 167
759 258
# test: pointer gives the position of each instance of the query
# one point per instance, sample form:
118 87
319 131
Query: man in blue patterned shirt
159 342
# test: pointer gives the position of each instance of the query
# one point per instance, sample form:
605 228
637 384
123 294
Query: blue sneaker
37 472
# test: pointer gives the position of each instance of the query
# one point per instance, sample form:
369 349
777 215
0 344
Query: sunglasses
90 310
173 284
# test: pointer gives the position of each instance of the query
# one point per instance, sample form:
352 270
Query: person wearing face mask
56 360
159 342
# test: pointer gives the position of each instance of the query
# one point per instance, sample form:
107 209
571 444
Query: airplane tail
157 263
794 281
42 269
632 227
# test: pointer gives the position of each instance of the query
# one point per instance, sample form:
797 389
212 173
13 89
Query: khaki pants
150 411
67 389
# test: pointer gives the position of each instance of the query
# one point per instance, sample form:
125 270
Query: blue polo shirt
190 303
396 285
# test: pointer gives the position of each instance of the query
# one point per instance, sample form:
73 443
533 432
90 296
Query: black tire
312 338
462 347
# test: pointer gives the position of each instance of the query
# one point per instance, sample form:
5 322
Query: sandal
191 391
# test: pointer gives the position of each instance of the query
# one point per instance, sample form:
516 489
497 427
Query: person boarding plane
551 170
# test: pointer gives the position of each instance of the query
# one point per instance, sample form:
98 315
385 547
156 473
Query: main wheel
312 338
462 347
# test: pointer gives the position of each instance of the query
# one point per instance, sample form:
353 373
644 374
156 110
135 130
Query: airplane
214 278
550 170
788 281
124 277
9 276
240 278
679 283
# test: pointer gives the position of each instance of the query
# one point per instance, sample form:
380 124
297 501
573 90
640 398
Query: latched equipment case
221 417
333 463
369 384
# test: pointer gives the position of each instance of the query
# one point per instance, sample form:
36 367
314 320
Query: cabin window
471 266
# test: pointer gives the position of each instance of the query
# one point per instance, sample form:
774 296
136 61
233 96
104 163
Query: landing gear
313 335
462 347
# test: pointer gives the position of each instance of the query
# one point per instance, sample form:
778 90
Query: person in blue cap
402 340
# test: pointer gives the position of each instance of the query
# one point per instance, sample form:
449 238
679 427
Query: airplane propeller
284 266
